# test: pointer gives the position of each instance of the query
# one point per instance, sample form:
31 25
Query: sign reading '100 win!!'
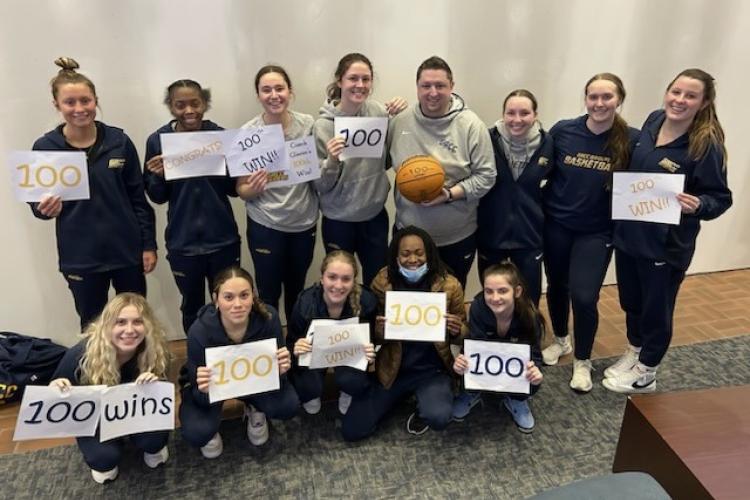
416 316
35 174
340 345
255 148
242 370
647 196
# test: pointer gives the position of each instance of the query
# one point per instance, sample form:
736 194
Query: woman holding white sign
124 344
337 296
109 238
577 224
405 368
523 158
683 138
353 191
504 312
281 220
201 233
237 316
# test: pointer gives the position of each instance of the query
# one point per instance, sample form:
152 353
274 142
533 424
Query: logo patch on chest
669 165
116 163
447 144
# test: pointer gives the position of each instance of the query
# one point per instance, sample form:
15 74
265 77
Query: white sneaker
623 365
560 347
214 447
257 426
313 406
581 380
640 379
154 460
107 475
345 401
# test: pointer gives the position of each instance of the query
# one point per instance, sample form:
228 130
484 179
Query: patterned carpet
483 457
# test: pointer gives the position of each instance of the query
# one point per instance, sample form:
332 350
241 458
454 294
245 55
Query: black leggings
575 264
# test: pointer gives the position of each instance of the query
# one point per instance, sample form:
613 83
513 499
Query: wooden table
695 443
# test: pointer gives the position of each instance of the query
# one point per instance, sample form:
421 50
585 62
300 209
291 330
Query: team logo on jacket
543 161
669 165
447 144
116 163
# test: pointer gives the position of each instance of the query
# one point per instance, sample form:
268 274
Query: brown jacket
388 359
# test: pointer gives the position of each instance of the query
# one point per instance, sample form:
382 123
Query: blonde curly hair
99 365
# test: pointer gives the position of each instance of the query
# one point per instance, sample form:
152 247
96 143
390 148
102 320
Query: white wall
132 49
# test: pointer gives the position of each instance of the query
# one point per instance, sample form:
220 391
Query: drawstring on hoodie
519 153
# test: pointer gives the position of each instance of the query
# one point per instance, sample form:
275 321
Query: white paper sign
133 408
252 149
35 174
417 316
47 413
340 345
363 137
496 366
192 154
244 369
646 197
304 359
301 161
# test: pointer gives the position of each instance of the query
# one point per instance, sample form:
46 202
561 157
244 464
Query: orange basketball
420 178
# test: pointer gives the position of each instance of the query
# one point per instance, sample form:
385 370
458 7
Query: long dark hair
705 129
524 308
435 267
235 271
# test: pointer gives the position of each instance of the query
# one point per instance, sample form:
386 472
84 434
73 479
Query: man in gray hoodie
442 127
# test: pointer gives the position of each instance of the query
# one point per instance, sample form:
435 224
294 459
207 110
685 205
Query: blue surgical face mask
413 275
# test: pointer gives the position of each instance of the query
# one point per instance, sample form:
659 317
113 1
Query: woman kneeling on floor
503 312
338 296
405 368
124 344
237 316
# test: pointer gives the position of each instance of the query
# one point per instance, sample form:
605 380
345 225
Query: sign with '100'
36 174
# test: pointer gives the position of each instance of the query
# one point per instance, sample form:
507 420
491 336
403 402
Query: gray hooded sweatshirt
354 190
461 143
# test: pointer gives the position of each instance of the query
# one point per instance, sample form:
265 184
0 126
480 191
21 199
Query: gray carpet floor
483 457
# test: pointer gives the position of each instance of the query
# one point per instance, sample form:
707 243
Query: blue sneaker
521 413
463 403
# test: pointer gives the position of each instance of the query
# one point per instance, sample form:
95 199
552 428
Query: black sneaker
415 425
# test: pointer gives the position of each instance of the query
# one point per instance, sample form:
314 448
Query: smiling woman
201 237
126 343
281 220
338 296
403 368
523 154
577 225
108 238
236 316
352 192
683 138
